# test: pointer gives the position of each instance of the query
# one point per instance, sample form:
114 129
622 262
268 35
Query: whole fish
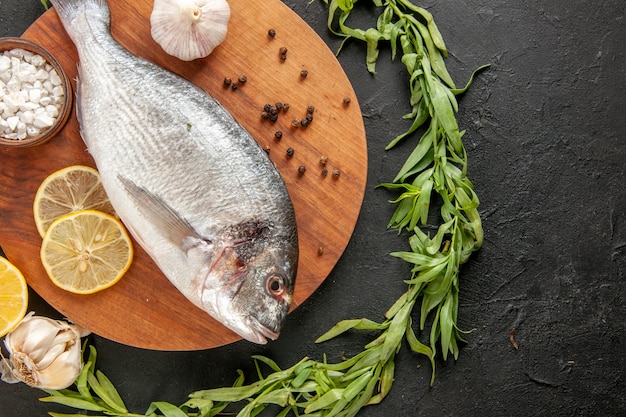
189 182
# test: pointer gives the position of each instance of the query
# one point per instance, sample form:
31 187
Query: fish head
243 275
256 283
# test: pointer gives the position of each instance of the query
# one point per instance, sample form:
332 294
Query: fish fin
77 96
176 228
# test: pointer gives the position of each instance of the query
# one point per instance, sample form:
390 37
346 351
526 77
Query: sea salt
31 94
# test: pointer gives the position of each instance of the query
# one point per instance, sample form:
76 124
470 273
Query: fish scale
189 182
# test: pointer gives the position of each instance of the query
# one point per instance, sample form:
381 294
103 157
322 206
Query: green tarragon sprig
434 175
438 163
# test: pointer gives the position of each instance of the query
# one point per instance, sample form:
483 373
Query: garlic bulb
44 353
189 29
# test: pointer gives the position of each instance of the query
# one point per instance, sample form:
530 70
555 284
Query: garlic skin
43 353
189 29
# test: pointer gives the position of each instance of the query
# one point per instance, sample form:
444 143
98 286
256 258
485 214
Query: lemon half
13 296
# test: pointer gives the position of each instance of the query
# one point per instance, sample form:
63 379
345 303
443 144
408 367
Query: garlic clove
189 29
30 336
62 372
54 352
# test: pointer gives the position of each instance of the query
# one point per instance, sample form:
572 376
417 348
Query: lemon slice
86 251
69 190
13 296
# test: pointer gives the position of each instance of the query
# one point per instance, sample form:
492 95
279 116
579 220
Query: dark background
545 136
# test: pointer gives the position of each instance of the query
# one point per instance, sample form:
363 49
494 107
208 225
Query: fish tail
95 12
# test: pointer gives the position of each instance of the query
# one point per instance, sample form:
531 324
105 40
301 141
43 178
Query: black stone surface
546 135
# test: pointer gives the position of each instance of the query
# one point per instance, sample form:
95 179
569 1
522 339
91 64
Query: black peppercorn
289 152
283 53
271 33
227 82
278 134
304 73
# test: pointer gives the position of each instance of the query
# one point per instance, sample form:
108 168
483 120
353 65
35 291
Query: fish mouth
258 332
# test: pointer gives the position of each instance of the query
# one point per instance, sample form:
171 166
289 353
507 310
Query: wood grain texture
144 309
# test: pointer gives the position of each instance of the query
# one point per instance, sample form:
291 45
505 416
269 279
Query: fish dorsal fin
175 227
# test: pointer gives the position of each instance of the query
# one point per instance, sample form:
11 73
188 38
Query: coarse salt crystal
13 102
26 68
45 100
34 95
16 53
27 117
37 60
15 65
29 106
32 131
43 120
12 123
41 74
52 111
54 78
47 85
27 55
58 92
5 63
14 85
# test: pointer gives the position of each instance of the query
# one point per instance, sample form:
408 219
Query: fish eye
275 286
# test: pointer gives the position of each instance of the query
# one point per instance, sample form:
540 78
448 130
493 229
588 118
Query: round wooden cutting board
144 309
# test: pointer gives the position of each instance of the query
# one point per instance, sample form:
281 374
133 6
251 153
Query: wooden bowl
7 44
